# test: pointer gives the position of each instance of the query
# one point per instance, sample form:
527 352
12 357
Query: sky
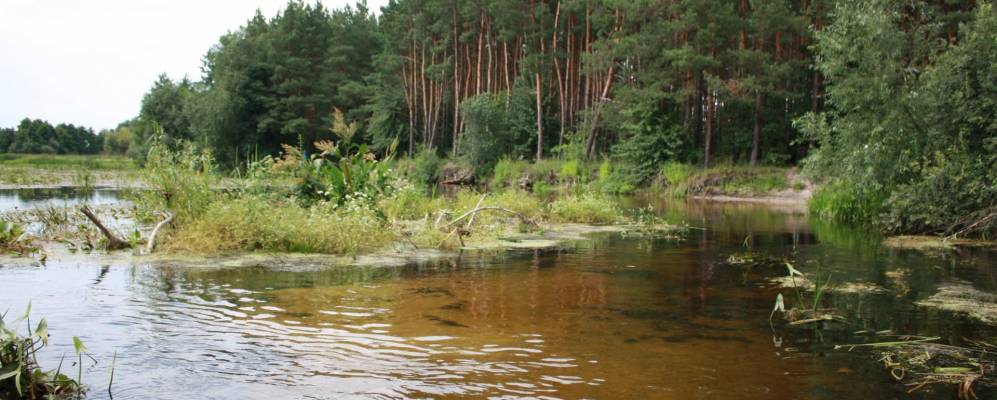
88 62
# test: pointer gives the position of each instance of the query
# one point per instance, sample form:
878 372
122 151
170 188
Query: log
151 245
113 242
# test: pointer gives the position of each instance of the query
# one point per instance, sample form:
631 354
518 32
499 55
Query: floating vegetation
962 298
14 239
933 243
918 362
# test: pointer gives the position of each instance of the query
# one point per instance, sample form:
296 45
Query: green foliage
507 172
409 203
423 169
254 224
14 239
20 375
734 180
585 208
40 137
911 129
490 132
181 181
844 201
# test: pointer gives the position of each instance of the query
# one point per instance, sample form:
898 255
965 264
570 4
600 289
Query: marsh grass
68 162
254 224
587 208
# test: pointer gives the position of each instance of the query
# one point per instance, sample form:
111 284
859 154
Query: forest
888 105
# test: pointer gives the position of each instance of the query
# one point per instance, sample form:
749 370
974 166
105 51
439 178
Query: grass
844 202
68 162
251 224
14 239
585 208
66 170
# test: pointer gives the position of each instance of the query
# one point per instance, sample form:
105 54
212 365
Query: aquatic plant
14 238
21 377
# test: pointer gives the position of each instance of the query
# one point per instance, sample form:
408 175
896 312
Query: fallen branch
151 245
475 211
113 242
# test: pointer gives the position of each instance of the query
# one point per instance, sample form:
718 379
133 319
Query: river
611 317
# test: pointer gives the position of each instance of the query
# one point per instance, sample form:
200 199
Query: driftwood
151 245
113 242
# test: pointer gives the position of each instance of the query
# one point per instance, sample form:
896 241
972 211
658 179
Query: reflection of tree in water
64 193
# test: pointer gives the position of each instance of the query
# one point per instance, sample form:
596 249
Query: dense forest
888 104
40 137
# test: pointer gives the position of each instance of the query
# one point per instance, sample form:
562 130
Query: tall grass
250 224
842 201
585 208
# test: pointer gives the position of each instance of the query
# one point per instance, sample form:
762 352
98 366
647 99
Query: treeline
645 81
640 82
37 136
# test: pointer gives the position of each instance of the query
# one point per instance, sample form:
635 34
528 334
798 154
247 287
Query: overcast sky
88 62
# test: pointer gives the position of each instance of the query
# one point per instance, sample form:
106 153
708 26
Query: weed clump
585 208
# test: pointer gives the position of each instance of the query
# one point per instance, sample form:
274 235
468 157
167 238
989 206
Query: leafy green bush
423 169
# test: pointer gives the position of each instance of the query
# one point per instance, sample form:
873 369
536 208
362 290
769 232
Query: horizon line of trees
38 136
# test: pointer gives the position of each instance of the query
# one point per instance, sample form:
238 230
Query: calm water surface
609 318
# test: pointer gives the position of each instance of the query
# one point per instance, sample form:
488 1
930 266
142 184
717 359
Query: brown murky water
610 318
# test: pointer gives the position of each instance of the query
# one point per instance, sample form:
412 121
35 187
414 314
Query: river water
613 317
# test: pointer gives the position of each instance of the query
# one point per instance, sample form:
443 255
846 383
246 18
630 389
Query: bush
423 169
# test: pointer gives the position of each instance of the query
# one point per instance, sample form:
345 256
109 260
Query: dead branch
475 211
113 242
471 220
151 245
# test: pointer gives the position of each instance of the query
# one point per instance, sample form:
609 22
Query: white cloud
90 62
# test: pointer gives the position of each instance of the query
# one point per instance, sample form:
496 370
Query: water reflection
22 199
612 318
